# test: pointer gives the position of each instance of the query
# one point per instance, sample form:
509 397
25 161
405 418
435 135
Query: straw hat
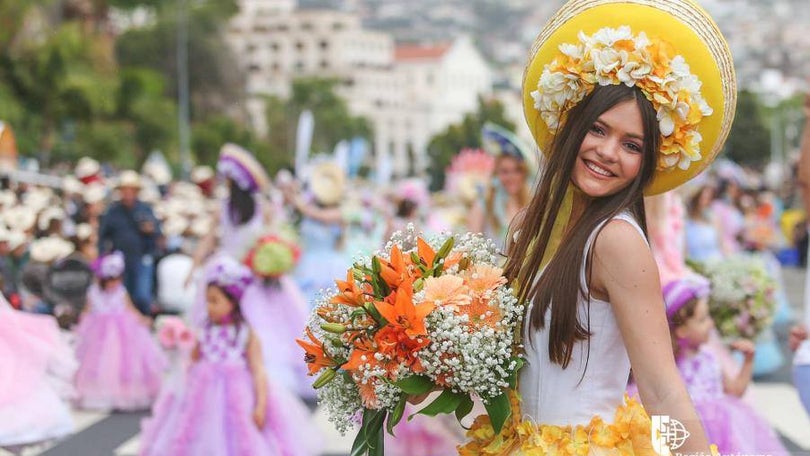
201 226
129 178
327 182
20 218
94 193
71 185
48 215
201 174
16 239
242 168
50 249
671 49
174 226
4 234
84 231
7 198
87 167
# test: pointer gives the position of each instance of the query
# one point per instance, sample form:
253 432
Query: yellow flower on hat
613 56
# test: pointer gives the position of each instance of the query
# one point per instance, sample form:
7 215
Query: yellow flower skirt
629 434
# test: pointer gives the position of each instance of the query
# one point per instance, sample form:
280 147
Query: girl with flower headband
230 407
120 365
730 423
625 98
276 312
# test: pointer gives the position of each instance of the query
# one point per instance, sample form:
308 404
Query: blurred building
409 93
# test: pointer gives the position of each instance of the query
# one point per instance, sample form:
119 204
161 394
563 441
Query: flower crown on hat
614 56
230 275
109 266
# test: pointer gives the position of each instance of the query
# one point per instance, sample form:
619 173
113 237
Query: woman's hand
259 415
798 333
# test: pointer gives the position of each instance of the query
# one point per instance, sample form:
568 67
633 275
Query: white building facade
408 93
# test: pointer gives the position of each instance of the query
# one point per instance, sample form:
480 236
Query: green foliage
333 123
444 146
749 140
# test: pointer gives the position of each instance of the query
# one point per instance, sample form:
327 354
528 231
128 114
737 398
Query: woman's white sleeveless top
593 383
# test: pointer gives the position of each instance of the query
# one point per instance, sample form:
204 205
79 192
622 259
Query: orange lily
314 356
403 313
395 344
358 358
348 292
395 271
426 253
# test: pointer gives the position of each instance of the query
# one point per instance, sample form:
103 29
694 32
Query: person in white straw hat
88 170
130 226
322 228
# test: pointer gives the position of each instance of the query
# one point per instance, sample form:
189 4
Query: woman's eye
597 129
633 147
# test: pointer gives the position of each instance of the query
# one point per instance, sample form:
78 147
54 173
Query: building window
254 68
251 48
275 46
324 44
299 45
306 26
282 28
348 82
324 64
276 67
338 26
299 66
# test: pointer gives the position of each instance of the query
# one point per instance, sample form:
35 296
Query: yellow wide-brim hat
685 26
327 181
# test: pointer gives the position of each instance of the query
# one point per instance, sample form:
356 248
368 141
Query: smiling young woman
619 111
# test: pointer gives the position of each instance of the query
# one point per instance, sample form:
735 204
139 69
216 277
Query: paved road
773 395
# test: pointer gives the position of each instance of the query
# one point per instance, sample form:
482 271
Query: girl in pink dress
730 423
36 368
229 406
120 365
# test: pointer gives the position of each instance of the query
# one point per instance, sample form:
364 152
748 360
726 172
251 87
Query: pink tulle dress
215 416
277 312
36 367
120 364
730 423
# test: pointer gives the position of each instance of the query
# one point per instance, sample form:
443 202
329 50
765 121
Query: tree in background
447 144
749 140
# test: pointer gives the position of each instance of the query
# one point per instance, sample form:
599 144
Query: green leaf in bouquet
369 440
447 402
418 285
513 376
415 258
415 385
498 409
376 267
444 250
464 407
396 415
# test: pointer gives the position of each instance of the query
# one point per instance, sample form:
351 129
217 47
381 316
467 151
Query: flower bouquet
423 315
272 257
173 334
742 300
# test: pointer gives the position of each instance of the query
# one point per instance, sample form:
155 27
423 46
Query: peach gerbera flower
482 278
447 291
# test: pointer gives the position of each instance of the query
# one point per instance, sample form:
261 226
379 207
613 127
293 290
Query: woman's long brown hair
559 282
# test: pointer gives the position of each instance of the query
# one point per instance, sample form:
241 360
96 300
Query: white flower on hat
50 249
48 215
613 56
